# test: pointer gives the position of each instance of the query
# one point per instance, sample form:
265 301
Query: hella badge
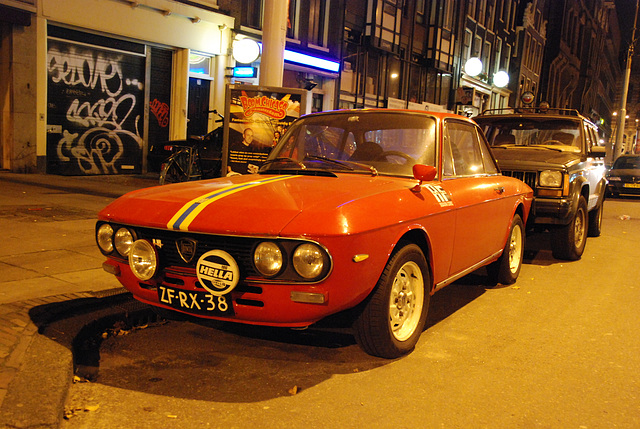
218 272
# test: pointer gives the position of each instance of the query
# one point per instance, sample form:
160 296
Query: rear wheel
570 240
171 173
507 268
394 316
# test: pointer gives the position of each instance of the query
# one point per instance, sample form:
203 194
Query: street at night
559 348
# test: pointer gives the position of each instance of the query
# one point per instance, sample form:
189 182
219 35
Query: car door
471 178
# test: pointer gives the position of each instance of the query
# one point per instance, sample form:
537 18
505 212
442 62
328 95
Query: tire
595 219
394 315
570 240
171 174
507 268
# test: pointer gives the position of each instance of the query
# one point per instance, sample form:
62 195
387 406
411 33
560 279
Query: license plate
632 185
196 302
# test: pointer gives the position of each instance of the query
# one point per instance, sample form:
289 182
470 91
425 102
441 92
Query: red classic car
369 211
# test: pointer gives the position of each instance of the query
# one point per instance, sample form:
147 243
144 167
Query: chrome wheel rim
406 301
579 229
515 249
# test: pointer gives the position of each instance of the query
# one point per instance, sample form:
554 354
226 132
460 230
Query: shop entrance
198 109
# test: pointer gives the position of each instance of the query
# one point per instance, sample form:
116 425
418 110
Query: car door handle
499 189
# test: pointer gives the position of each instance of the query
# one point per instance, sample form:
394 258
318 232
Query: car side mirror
423 173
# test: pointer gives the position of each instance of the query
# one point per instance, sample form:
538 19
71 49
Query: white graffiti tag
96 151
103 112
80 69
102 118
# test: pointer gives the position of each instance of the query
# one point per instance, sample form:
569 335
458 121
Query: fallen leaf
293 390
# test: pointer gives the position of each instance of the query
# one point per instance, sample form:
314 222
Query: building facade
88 85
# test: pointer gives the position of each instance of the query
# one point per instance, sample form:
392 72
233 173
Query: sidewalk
35 372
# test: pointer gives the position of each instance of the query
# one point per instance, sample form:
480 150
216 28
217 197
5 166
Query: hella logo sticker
218 272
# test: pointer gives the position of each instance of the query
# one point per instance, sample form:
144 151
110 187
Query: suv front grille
528 177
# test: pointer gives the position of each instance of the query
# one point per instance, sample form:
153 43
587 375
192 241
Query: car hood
263 205
531 157
624 173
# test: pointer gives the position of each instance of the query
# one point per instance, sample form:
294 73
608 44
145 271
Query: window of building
252 13
292 19
319 22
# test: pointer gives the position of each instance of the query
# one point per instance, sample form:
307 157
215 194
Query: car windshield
386 143
555 134
627 163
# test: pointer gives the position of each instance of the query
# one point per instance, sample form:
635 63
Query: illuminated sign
246 72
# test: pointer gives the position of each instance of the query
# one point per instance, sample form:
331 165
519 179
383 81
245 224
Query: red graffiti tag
160 111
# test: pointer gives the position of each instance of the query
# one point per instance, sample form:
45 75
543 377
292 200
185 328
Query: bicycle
199 157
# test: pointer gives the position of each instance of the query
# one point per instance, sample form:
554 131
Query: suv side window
463 151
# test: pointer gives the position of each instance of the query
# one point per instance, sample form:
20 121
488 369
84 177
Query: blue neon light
244 72
309 60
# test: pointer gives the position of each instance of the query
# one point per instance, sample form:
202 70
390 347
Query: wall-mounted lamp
501 79
473 66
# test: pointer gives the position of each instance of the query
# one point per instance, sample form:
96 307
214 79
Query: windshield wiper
283 159
329 160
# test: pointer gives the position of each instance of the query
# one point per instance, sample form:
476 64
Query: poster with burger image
257 118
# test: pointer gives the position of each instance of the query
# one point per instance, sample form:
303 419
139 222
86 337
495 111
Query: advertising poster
257 117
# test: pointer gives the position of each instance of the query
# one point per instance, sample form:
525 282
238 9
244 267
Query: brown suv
556 153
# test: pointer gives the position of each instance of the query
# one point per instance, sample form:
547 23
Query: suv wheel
595 219
569 240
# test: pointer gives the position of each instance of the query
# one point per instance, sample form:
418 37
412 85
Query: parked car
363 212
555 152
624 175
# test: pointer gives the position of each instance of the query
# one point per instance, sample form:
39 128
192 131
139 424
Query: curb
35 376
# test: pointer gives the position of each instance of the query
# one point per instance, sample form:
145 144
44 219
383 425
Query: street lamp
501 79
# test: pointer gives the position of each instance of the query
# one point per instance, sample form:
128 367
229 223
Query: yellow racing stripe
183 218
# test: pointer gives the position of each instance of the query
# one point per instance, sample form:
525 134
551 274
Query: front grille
528 177
238 247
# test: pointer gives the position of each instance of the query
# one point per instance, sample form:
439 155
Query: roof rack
526 110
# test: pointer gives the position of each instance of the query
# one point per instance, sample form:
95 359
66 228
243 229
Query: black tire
569 240
595 219
507 268
171 173
394 315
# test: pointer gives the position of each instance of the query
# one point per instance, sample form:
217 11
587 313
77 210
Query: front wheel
507 268
570 240
595 219
394 316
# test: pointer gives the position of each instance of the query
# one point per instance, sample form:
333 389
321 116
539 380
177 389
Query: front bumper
259 303
551 211
623 188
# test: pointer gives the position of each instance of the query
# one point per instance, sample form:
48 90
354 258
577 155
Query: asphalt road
559 349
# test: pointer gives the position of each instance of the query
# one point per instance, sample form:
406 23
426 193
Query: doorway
198 108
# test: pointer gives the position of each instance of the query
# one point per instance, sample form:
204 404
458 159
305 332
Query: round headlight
123 241
551 179
104 237
268 259
308 260
143 260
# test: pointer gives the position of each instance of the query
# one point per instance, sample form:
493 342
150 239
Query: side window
466 152
490 166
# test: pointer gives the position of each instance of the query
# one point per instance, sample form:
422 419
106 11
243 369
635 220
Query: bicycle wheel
172 173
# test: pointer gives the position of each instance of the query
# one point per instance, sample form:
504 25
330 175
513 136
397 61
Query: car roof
439 115
533 112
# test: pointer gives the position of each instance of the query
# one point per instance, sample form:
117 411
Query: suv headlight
551 179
